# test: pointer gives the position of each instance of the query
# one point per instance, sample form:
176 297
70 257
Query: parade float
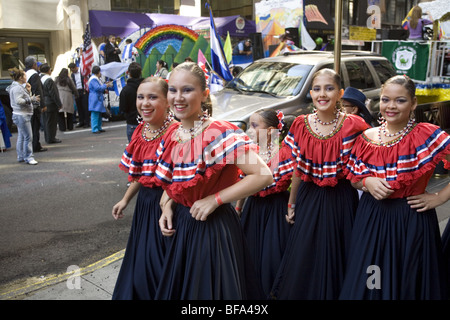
427 63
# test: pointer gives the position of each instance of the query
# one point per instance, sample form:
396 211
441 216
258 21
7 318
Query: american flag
87 56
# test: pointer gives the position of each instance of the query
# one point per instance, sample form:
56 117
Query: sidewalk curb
38 284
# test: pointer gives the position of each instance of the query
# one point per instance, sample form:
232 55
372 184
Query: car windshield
276 78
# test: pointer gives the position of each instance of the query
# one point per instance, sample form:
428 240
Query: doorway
13 51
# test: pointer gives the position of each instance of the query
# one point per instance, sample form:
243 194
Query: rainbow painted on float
163 36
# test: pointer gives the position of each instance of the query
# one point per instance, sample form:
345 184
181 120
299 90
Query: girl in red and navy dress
322 202
208 256
396 249
141 267
445 196
263 215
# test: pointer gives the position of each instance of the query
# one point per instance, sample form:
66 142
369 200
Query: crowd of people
40 102
43 103
327 207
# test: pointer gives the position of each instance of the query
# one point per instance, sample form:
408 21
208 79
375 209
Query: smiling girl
396 238
322 201
141 267
208 258
263 215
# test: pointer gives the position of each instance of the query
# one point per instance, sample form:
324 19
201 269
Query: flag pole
337 36
212 71
220 45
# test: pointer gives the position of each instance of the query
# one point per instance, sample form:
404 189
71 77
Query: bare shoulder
371 133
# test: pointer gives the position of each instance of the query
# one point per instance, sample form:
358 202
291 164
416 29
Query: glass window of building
145 6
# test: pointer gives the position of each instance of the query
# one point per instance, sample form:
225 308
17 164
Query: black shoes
41 150
55 141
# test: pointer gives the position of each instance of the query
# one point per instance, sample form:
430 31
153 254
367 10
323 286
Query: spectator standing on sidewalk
82 100
52 102
127 98
31 69
67 92
96 99
6 133
22 104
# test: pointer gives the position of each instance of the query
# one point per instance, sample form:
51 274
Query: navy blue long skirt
141 268
396 253
265 227
446 249
208 260
313 264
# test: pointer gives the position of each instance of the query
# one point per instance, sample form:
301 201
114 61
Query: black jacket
36 88
51 95
127 100
110 55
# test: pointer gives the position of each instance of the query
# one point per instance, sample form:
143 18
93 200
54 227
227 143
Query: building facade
51 30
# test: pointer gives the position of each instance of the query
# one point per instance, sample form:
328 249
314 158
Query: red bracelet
364 182
218 200
238 209
291 205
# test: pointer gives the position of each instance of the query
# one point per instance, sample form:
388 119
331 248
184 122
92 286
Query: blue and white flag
118 84
218 61
114 70
127 51
215 84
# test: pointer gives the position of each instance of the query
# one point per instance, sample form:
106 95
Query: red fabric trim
446 164
140 151
376 155
217 176
320 151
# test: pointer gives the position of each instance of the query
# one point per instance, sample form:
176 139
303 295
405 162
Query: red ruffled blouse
322 160
406 165
194 169
140 158
282 167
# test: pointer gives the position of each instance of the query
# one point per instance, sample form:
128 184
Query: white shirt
78 83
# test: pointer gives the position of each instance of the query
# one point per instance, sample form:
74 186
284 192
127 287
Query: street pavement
97 281
56 215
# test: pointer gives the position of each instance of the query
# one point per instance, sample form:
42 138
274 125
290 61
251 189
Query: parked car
283 83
